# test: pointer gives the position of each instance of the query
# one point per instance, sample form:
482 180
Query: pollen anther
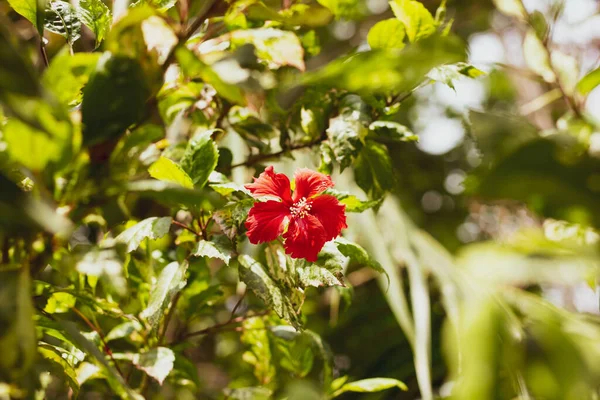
301 208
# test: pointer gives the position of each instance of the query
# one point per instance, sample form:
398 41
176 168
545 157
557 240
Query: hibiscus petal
304 238
266 221
310 183
330 213
271 184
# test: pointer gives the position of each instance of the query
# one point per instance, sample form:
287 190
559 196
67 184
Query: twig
43 51
96 329
219 327
264 157
169 316
184 226
237 305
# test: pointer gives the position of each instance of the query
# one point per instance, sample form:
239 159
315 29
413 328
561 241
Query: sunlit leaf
390 132
417 20
170 281
96 16
168 170
200 158
33 10
152 228
589 82
231 217
67 74
61 18
537 56
157 363
61 366
277 47
371 385
387 34
218 247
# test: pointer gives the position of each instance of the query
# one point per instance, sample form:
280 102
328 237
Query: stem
184 226
168 317
107 349
43 51
264 157
218 327
237 305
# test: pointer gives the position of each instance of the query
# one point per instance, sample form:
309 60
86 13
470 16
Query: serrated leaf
218 247
390 132
253 274
417 20
62 366
170 281
61 18
157 363
276 46
152 228
387 34
317 276
589 82
447 74
165 169
96 16
231 217
353 203
371 385
373 170
358 255
346 131
200 158
125 330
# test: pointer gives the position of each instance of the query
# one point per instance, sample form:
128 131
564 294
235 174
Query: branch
264 157
219 327
107 349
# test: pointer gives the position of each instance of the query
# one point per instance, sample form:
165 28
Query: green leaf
61 18
347 9
34 148
589 82
371 385
67 74
96 16
200 158
539 25
390 132
358 255
253 274
387 34
353 203
373 170
279 48
105 263
62 366
114 98
231 217
447 74
317 276
60 302
249 393
165 169
218 247
33 10
346 131
17 338
192 67
537 57
417 20
125 330
167 192
157 363
152 228
388 71
250 126
170 281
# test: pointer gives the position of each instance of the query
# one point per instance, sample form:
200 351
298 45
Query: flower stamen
301 208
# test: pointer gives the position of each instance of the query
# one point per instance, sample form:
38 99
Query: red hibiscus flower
306 218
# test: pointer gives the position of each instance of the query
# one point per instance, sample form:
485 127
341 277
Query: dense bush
141 259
